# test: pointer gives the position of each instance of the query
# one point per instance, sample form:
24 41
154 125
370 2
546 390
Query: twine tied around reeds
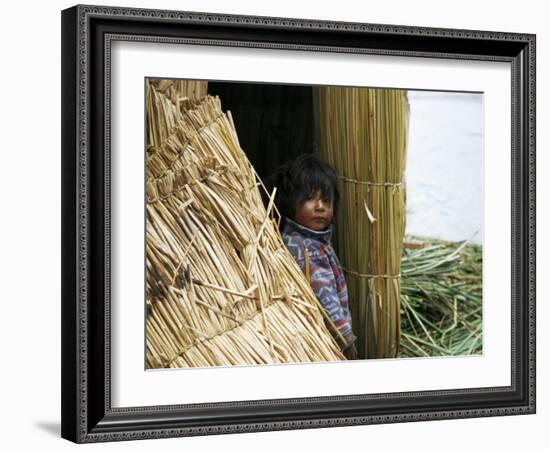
371 183
374 276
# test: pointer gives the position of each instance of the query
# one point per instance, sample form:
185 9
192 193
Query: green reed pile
441 295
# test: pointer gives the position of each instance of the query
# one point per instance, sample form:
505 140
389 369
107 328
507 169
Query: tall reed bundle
222 289
362 133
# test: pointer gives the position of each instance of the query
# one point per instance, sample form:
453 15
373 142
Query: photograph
290 223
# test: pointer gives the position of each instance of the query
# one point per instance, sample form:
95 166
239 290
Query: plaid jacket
326 274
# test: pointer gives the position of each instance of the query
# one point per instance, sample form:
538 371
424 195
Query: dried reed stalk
167 100
362 133
222 289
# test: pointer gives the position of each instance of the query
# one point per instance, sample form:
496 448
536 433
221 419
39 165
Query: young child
307 197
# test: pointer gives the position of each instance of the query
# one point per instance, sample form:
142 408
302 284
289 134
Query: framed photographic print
267 221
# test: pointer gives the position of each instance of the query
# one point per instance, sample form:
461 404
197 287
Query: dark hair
299 179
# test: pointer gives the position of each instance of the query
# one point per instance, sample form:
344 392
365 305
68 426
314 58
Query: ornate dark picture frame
87 413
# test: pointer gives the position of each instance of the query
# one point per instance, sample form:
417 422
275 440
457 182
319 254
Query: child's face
315 213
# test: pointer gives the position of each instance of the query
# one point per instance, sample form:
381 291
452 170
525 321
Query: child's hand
351 352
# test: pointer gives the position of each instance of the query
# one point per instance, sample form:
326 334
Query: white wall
30 146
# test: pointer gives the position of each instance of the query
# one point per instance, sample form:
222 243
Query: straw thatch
363 134
222 288
167 100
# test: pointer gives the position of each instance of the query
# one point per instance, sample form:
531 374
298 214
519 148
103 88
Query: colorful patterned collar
322 236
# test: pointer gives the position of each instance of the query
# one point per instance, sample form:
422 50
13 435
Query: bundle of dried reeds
167 100
222 288
362 133
179 92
